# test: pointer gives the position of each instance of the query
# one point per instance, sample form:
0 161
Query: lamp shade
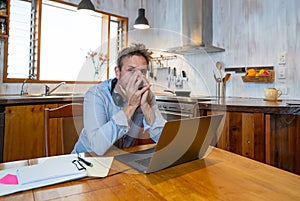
141 22
86 4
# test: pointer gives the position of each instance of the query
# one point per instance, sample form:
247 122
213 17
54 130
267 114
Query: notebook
180 141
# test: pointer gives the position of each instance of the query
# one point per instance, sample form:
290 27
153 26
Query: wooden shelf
3 36
243 69
3 15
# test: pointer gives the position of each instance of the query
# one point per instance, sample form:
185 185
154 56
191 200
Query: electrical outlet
282 58
281 73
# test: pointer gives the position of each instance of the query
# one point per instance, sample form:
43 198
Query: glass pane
66 38
114 48
19 39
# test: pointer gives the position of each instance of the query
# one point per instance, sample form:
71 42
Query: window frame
110 17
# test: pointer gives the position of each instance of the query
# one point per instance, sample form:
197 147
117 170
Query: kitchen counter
173 98
252 105
204 102
267 131
25 100
65 97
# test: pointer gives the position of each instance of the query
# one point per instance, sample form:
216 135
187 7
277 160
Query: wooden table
220 176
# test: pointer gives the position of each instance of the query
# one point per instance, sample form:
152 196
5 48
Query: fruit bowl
267 77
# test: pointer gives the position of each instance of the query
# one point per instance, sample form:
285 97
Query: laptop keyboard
144 162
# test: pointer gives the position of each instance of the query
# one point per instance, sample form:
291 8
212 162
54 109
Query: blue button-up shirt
105 123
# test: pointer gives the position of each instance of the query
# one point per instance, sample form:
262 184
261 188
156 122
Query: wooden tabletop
220 176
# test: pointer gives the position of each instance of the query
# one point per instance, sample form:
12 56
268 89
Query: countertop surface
204 102
252 105
39 99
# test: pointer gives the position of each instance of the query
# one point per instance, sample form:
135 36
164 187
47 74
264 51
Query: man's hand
134 96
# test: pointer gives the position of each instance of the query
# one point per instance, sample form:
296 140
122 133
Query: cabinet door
244 134
24 132
23 136
283 144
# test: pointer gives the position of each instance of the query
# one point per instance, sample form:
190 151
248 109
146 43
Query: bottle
3 28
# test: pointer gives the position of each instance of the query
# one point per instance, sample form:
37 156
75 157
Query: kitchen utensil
219 67
174 72
151 70
218 82
226 77
215 76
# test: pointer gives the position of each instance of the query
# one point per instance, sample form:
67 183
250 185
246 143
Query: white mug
272 93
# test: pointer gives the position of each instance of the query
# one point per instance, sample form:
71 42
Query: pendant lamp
141 22
86 5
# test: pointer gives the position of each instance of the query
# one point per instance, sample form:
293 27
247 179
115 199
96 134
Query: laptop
181 141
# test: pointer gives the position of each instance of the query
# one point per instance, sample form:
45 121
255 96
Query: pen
85 161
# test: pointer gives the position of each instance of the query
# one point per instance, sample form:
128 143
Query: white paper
101 166
50 169
9 189
45 173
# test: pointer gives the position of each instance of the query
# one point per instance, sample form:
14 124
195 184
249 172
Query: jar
3 28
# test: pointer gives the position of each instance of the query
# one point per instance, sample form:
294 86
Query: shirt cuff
121 120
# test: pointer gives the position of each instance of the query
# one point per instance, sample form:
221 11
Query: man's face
131 64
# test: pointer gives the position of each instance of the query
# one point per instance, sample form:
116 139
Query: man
116 109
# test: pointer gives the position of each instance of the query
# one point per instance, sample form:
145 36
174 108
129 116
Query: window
19 39
53 42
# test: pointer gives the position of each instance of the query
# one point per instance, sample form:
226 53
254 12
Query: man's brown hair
134 49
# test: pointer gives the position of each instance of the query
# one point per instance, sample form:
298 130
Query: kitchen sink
54 94
33 95
66 94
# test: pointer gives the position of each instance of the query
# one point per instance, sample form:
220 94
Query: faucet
22 88
47 88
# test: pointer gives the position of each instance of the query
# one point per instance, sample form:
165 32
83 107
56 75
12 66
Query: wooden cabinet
243 133
283 141
24 132
270 138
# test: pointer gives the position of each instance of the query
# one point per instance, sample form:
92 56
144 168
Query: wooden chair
62 126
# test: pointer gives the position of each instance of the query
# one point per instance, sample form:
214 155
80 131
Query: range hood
196 28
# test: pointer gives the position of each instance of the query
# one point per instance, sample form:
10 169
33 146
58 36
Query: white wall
253 32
